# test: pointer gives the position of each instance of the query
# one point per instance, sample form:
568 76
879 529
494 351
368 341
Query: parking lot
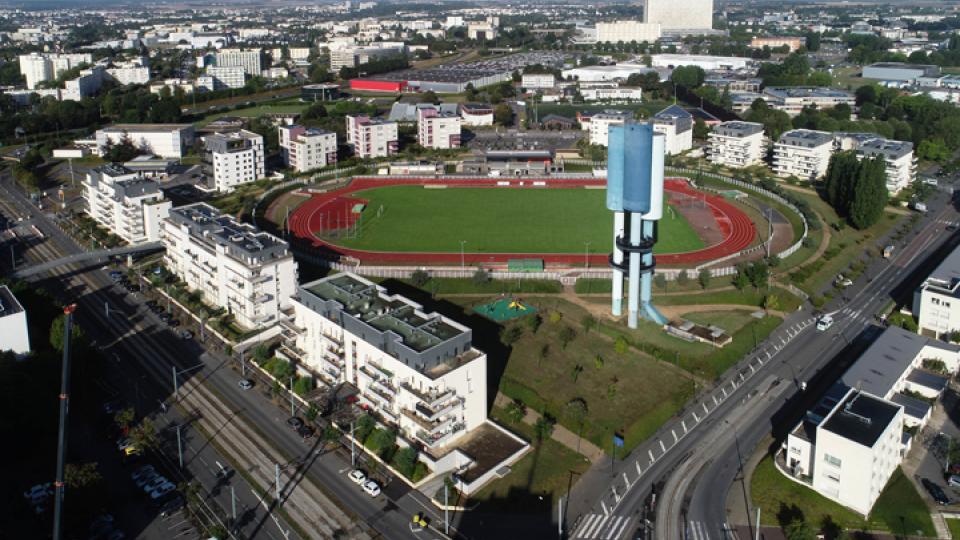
935 454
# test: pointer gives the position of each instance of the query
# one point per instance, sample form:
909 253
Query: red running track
737 229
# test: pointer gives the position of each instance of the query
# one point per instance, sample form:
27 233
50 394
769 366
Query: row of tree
856 188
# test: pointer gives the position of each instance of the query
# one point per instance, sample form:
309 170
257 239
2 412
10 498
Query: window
832 460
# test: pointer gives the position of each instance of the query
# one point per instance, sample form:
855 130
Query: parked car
142 471
954 481
171 505
245 384
156 482
185 334
294 422
38 491
824 323
357 476
305 431
935 491
162 490
372 488
147 479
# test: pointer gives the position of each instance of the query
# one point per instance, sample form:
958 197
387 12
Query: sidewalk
560 434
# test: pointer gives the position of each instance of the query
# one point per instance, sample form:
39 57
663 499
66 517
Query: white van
824 323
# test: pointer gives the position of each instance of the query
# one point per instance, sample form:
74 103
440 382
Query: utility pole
586 255
446 509
292 409
64 413
233 503
560 518
756 530
243 365
277 481
179 447
353 452
462 258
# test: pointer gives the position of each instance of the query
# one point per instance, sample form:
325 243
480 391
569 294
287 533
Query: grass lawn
780 496
731 321
499 221
468 286
630 392
545 470
954 526
255 111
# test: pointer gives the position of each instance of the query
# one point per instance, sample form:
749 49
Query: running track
737 229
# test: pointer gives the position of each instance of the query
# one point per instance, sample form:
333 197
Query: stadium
493 221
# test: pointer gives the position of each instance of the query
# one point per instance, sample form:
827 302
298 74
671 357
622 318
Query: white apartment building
803 153
129 205
438 130
305 149
534 81
237 158
611 94
251 60
87 84
227 76
692 15
418 371
355 56
848 445
936 302
792 99
899 161
130 74
39 67
476 114
164 140
600 123
736 144
249 273
627 31
485 30
14 332
185 85
705 62
299 53
370 138
677 126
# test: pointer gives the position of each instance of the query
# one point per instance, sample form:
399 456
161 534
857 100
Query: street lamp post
176 386
463 262
586 255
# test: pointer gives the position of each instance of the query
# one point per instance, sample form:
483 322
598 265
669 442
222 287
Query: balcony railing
430 399
438 439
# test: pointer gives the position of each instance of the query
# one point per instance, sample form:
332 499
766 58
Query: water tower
635 195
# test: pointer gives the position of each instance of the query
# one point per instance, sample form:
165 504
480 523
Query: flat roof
146 127
243 241
861 418
913 407
887 359
807 91
927 379
948 271
806 137
9 305
738 128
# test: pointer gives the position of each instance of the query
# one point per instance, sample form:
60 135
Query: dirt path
562 435
676 311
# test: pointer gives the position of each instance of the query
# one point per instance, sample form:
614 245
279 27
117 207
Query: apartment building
792 99
936 302
627 31
438 130
899 160
476 114
305 149
599 125
774 42
691 16
355 56
14 332
249 273
534 81
369 138
227 76
848 445
38 67
676 124
611 94
803 153
164 140
129 205
251 60
237 158
130 74
417 371
736 144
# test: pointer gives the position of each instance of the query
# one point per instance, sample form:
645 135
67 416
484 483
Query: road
694 459
154 350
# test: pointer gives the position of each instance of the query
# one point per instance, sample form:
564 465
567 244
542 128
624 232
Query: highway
694 458
143 341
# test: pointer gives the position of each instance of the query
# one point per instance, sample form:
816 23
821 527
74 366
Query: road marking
588 522
617 529
650 451
663 447
639 470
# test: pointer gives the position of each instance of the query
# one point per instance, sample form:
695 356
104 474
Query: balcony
435 440
430 399
293 352
428 427
432 413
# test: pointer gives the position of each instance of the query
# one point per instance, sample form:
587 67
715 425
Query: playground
490 221
505 309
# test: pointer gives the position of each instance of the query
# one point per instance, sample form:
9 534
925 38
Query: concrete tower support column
617 293
633 296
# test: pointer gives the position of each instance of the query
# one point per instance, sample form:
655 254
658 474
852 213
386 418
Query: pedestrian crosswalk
602 527
852 314
697 530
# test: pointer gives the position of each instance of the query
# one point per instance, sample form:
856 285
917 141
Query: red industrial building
373 85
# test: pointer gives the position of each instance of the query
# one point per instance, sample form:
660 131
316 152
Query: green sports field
494 220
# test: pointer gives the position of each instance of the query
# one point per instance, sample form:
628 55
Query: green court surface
505 309
499 220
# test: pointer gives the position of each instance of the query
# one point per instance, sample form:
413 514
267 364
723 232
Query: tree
124 418
588 322
566 335
759 274
869 194
405 461
660 281
933 150
429 97
383 442
576 411
703 277
363 427
420 277
533 322
544 353
56 333
481 277
812 41
314 112
689 77
516 411
798 529
683 278
543 428
144 435
740 280
700 129
620 345
79 476
503 114
510 334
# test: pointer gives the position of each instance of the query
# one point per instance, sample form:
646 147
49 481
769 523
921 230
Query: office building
251 60
476 114
705 62
369 138
692 16
164 140
125 203
227 77
676 124
237 158
802 153
849 444
611 94
792 43
936 302
901 72
438 130
417 371
900 164
792 99
737 144
627 31
305 149
249 273
535 81
600 123
14 332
